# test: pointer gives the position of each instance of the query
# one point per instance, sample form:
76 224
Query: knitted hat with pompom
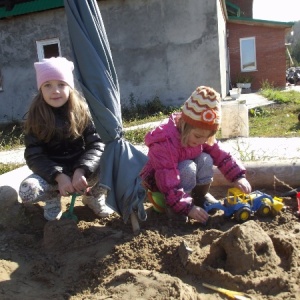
54 68
203 109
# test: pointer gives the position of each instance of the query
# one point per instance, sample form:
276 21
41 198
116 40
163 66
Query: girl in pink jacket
182 154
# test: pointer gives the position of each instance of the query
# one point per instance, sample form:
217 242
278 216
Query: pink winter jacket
165 152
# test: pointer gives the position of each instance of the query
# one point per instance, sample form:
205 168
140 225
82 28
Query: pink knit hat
54 68
203 109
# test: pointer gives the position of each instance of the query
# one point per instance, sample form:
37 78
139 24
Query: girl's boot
201 195
52 208
96 201
175 217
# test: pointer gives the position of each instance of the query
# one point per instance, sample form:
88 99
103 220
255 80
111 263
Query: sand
103 259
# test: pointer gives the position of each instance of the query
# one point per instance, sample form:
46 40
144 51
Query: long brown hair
41 119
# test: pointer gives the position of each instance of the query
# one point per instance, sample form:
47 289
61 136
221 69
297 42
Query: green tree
295 53
293 38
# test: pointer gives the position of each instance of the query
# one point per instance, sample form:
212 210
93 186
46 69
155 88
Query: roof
232 9
9 8
250 21
234 16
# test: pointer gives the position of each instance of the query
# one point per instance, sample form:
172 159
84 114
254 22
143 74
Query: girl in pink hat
182 154
62 147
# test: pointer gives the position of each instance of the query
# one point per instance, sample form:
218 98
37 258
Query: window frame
252 68
40 47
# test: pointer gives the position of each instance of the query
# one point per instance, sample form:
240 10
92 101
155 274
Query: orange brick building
268 57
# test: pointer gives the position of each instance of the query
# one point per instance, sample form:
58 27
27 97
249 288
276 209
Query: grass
276 120
11 136
4 168
140 121
279 119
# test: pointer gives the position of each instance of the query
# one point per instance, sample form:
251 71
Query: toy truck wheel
264 210
274 212
243 214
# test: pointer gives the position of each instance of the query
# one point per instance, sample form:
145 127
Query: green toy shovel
69 213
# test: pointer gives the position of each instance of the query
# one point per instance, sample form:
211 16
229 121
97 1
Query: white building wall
161 48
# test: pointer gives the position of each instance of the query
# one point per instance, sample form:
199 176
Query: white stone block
235 120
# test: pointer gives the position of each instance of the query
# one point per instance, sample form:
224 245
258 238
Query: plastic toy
158 201
237 204
260 202
233 206
242 206
228 293
69 213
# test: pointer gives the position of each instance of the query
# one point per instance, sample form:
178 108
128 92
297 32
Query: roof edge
259 21
24 8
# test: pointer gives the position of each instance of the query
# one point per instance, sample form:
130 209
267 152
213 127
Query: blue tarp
121 161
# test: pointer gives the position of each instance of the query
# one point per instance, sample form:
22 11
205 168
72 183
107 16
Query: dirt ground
103 259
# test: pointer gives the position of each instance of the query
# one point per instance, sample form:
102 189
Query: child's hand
79 181
65 186
199 214
243 184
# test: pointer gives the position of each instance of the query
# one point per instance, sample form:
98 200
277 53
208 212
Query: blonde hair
41 119
185 130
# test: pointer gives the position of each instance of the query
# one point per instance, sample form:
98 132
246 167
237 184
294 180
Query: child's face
55 92
198 136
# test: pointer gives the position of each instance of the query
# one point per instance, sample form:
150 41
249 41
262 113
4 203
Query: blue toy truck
242 206
238 204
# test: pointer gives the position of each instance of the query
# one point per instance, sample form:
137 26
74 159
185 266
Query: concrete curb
265 174
261 174
9 186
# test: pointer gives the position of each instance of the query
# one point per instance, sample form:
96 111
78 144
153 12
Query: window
48 48
248 54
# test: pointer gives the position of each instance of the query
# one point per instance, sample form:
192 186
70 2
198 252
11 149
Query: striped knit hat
54 68
203 109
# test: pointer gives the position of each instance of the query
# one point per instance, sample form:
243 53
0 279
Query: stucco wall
18 52
160 48
223 52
